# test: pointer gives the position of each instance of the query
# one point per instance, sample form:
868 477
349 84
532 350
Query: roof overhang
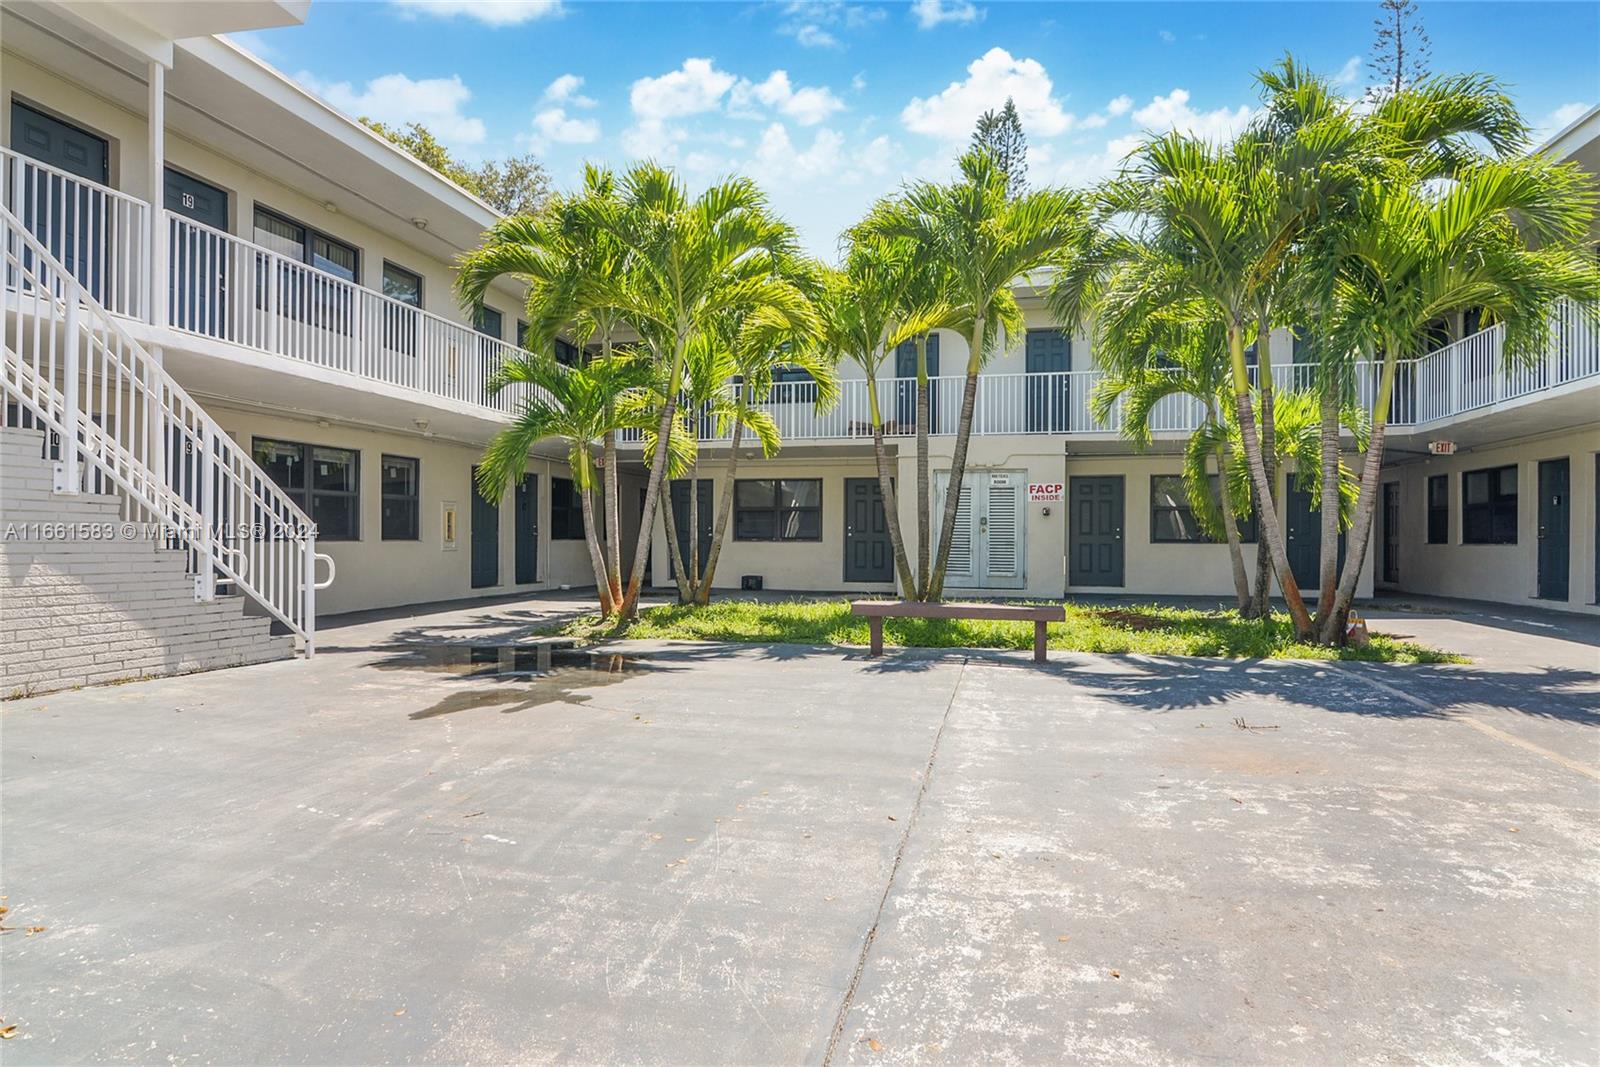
147 28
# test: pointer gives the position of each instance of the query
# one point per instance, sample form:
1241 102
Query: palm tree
568 265
981 243
1501 235
1178 351
756 352
863 318
690 261
579 405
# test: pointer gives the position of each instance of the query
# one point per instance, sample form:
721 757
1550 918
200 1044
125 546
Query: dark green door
905 386
1049 355
1095 553
485 539
198 259
1391 532
680 519
868 553
527 544
71 223
1555 528
1303 540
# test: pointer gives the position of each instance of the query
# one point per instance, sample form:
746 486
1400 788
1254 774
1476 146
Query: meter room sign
1044 492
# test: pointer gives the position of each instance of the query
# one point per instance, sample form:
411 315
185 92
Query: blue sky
830 105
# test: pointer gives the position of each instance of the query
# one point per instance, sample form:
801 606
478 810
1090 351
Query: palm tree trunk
1261 607
1269 528
1328 563
1241 579
613 497
652 490
724 509
891 508
958 464
694 528
680 574
924 535
1333 626
597 557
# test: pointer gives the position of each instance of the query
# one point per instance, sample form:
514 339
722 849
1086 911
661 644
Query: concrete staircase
78 607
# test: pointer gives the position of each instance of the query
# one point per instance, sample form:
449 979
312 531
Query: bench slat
914 609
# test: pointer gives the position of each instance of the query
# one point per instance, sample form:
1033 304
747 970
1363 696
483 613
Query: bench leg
875 624
1038 641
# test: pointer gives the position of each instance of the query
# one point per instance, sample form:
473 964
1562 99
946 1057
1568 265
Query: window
402 285
400 499
489 322
323 481
788 509
566 353
795 384
1439 509
1489 507
301 243
400 323
566 511
1172 520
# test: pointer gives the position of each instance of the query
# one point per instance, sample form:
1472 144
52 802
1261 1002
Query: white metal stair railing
72 365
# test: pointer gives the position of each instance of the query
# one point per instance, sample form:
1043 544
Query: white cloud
819 23
1167 36
653 139
1349 72
1560 119
807 105
931 13
778 161
1092 122
564 90
991 78
490 12
395 99
1172 112
554 124
1120 105
695 87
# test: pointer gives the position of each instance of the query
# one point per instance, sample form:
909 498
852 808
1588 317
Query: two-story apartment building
238 301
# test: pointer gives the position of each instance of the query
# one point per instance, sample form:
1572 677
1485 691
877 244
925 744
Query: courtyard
699 853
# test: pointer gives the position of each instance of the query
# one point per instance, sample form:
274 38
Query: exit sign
1442 448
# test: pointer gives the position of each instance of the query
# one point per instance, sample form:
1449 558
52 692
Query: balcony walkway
222 288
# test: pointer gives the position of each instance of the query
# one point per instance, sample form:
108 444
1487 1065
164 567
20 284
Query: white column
156 251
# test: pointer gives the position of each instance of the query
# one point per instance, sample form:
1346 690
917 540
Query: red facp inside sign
1043 492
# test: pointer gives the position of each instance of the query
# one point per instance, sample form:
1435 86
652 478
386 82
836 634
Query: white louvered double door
988 549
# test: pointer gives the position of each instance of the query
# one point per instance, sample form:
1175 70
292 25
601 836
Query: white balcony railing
231 290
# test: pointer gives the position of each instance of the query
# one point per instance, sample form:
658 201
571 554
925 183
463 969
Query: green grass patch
1150 629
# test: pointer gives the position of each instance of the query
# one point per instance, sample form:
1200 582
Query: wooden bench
875 611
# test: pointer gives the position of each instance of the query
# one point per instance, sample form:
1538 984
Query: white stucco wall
1503 573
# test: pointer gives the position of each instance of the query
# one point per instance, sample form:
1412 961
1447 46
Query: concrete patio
788 855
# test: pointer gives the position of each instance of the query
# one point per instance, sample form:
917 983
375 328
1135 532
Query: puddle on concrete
529 676
521 661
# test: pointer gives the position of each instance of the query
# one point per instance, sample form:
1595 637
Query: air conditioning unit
750 583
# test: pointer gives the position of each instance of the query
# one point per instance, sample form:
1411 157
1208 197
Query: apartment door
485 539
868 553
198 258
71 224
1391 532
706 508
1555 528
1303 540
526 549
988 548
1047 360
1095 518
905 386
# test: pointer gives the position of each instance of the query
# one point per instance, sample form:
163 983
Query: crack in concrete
894 869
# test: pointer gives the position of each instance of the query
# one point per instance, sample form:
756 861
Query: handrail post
206 580
308 624
67 470
273 311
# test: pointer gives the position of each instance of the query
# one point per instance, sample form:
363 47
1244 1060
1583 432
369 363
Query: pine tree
999 133
1400 46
